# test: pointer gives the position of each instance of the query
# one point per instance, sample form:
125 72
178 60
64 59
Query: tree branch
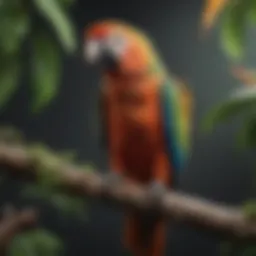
177 206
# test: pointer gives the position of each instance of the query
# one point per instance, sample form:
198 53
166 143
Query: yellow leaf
211 10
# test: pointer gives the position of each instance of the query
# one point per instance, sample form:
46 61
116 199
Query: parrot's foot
156 191
111 179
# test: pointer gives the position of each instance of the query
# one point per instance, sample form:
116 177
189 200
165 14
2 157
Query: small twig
14 222
180 207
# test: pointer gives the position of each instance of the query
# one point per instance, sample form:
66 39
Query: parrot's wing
176 107
103 118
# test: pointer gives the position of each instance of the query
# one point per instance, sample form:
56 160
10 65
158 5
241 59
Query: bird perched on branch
146 119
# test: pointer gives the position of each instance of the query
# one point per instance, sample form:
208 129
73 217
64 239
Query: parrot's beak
96 54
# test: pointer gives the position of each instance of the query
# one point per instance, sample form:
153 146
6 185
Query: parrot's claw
111 179
156 191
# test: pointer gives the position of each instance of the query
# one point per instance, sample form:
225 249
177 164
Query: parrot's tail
145 236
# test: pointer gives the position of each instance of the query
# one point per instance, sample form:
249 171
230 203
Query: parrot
146 119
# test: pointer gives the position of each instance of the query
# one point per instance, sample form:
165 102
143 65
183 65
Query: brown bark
180 207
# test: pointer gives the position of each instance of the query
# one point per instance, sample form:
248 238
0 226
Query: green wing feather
176 110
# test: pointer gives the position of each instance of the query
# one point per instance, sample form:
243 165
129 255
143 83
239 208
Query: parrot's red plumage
132 112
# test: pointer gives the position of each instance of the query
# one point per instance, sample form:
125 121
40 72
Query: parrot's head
118 46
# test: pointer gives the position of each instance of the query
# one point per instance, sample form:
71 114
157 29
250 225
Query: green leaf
52 11
36 242
68 155
233 30
46 242
238 103
9 81
36 192
252 11
69 205
249 209
65 204
66 3
46 71
21 246
246 137
14 27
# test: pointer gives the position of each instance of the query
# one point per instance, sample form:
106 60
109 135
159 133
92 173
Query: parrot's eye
116 43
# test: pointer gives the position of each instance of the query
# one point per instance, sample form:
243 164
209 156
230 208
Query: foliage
47 188
46 162
233 28
43 26
34 35
45 71
35 242
236 15
250 209
48 183
241 102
